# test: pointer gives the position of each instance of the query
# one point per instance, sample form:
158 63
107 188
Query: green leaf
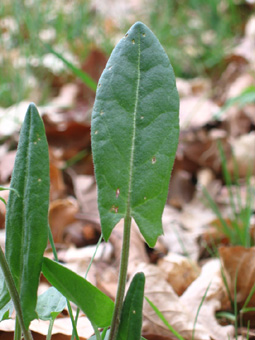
96 305
27 214
163 319
135 128
93 337
6 311
78 72
50 304
132 311
4 293
5 188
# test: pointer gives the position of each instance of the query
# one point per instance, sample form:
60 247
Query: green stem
97 333
15 296
122 278
72 319
67 301
17 331
86 274
50 329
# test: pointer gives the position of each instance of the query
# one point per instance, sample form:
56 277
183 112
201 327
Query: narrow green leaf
6 311
96 305
132 311
50 304
27 214
164 320
4 293
78 72
93 337
135 127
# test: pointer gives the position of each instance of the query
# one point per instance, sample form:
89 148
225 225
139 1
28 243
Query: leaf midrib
24 224
134 129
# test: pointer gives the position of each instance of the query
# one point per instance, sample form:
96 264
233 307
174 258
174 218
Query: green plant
238 231
134 139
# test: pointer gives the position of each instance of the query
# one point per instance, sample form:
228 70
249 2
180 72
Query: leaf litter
178 270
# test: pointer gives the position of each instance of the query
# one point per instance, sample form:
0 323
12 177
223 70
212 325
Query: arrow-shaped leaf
135 133
27 213
50 304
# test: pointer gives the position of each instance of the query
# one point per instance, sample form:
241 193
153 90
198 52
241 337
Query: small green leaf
4 293
132 311
50 304
96 305
135 128
6 311
93 337
27 214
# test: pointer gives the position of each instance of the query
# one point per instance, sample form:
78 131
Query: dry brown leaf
6 166
244 153
215 297
196 111
137 252
61 326
166 300
179 271
239 260
57 185
61 213
177 237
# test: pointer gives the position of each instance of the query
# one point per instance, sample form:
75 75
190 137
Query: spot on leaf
153 161
117 193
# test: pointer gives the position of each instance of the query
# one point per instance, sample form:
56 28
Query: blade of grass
249 297
163 319
226 315
78 72
235 305
226 229
198 310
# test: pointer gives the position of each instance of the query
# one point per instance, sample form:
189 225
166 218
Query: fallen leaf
167 301
216 295
239 260
179 271
61 213
61 326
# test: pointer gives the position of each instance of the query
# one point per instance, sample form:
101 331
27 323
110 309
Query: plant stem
122 278
17 331
15 297
67 301
50 329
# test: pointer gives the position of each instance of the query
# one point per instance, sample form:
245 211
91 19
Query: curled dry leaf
215 297
244 152
62 212
61 326
137 251
166 300
178 238
179 271
181 312
239 260
196 111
